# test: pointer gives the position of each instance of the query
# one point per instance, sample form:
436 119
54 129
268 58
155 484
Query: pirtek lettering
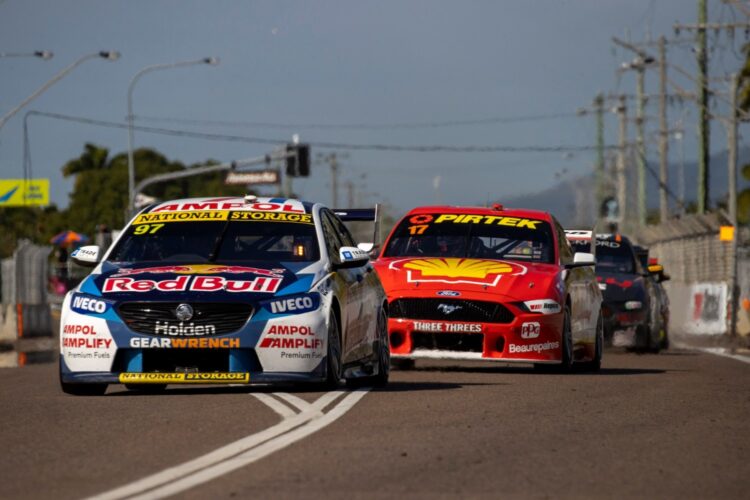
87 343
427 326
546 346
488 219
203 343
184 330
79 330
281 306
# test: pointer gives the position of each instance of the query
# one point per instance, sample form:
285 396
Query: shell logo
455 270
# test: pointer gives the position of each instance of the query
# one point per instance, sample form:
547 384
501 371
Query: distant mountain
572 200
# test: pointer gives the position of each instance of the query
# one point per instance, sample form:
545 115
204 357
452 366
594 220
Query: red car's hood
441 276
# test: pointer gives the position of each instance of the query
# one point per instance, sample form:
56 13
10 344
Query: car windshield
236 238
611 256
472 236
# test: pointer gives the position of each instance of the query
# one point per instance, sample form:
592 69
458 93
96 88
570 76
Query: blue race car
227 291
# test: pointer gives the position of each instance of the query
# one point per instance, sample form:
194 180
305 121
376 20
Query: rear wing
584 235
363 215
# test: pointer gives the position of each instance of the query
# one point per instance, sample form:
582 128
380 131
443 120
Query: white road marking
716 351
293 400
241 452
275 405
254 454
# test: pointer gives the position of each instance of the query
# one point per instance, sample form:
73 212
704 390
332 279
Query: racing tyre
595 364
83 389
383 351
644 340
566 364
333 354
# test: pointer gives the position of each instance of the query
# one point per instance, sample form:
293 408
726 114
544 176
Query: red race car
491 284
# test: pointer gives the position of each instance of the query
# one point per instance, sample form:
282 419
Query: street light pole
213 61
41 54
109 55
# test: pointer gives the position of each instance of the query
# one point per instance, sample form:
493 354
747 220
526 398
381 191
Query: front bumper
534 338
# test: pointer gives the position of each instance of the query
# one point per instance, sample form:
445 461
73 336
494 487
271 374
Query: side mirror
655 268
371 248
87 256
582 259
352 257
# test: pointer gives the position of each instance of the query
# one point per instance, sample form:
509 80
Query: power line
360 126
328 145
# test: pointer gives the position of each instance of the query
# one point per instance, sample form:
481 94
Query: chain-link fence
701 267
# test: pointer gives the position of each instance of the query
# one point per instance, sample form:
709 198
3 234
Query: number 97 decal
147 228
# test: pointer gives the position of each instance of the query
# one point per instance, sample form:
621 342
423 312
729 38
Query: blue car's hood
621 287
196 282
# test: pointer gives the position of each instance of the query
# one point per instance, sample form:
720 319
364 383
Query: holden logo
448 308
184 312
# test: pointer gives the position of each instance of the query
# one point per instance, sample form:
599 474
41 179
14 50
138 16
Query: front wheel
383 352
596 363
333 354
566 364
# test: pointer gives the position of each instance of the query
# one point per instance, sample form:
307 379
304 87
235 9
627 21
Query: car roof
232 203
585 235
494 210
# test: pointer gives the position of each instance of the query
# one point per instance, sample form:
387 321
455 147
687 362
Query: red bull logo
202 269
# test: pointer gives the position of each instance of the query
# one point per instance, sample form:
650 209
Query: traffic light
298 161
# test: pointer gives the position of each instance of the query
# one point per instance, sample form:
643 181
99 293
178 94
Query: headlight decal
542 306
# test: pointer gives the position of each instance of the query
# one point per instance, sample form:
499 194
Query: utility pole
333 162
599 176
622 198
704 125
640 144
639 64
704 130
663 133
350 194
732 149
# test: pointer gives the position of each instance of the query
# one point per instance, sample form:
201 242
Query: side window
345 236
566 253
332 241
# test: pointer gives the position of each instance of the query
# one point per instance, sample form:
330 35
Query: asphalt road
674 425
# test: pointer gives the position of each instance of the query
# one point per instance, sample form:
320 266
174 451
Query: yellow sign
185 378
208 215
726 233
23 193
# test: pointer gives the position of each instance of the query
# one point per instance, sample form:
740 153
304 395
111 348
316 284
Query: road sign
24 193
253 177
726 233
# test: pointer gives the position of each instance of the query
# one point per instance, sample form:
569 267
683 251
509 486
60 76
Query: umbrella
68 238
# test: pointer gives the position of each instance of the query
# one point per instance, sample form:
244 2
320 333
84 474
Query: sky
391 73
